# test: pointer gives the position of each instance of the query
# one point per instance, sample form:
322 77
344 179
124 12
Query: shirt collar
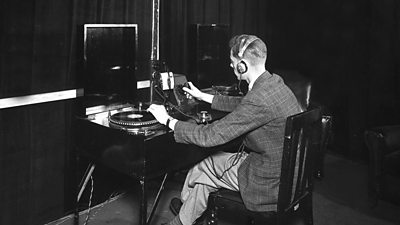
254 80
251 84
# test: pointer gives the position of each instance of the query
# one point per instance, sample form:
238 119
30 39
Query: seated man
259 117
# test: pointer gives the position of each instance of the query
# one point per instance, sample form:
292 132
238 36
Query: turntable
135 122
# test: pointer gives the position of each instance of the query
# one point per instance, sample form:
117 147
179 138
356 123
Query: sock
175 221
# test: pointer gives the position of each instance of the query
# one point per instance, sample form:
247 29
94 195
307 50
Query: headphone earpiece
241 67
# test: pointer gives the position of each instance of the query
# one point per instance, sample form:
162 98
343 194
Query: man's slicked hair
255 50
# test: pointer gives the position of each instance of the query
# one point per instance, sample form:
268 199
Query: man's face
234 62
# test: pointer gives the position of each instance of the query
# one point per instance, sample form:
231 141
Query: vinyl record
133 119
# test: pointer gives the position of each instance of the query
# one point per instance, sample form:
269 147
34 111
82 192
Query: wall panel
34 149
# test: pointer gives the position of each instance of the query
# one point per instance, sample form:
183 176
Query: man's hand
193 91
159 112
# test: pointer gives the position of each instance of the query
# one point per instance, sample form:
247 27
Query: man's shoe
175 205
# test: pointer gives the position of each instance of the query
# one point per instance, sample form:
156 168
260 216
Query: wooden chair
294 206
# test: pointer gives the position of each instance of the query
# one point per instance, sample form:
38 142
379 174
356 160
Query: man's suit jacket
261 117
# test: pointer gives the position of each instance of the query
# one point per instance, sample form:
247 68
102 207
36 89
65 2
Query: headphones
241 67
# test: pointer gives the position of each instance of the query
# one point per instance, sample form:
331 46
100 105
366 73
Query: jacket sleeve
247 116
225 103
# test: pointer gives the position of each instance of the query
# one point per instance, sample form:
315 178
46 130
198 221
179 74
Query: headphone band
243 49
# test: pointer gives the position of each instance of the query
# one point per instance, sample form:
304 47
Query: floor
339 198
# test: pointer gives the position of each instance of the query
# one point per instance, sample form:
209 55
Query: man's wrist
171 123
207 97
202 96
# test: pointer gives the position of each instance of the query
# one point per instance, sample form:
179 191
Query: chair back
302 140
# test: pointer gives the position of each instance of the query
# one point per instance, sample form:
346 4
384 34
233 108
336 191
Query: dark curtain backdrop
40 38
330 41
